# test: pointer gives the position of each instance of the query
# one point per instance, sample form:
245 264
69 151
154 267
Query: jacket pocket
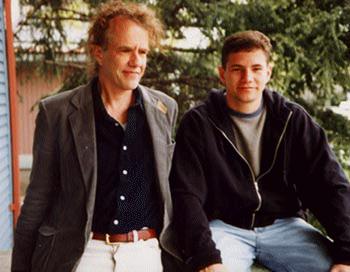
43 248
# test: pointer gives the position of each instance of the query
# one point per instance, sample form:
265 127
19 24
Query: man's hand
339 268
216 268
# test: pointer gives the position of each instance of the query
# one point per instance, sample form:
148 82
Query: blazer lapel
82 123
156 114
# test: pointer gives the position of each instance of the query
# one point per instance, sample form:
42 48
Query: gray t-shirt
248 129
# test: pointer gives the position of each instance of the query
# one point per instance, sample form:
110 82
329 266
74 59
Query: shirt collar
238 114
99 106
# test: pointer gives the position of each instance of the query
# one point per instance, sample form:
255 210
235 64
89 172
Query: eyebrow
241 66
125 47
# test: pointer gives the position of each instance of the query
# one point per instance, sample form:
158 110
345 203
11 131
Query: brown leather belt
132 236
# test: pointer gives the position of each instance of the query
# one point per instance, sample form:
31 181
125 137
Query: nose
247 75
135 59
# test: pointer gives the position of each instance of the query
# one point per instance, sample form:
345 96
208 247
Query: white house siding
6 216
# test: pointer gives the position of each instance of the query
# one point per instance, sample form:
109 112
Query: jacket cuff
341 255
341 260
201 261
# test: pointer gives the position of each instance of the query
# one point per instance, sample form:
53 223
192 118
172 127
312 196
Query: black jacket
211 180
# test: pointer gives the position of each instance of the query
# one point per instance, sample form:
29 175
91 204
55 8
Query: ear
96 52
221 71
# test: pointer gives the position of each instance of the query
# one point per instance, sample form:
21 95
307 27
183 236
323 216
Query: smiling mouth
131 72
246 88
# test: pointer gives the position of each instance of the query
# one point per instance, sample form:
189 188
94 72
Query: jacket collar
217 111
82 124
276 104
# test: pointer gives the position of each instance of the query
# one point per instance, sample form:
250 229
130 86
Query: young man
247 164
99 197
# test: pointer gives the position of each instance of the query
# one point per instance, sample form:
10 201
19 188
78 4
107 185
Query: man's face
245 77
123 63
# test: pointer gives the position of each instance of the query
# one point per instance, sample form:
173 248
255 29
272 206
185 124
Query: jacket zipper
255 180
277 147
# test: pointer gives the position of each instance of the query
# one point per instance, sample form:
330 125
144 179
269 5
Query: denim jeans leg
291 245
237 246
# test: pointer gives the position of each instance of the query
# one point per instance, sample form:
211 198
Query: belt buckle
135 235
108 242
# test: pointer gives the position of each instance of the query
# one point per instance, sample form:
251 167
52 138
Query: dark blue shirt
127 197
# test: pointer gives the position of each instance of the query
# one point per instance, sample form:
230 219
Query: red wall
30 88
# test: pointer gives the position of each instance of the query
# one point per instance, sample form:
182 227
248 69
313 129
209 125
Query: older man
98 198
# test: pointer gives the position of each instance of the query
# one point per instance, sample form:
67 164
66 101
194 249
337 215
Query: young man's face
245 77
123 62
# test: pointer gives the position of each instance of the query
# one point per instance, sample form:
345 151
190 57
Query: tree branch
67 64
190 50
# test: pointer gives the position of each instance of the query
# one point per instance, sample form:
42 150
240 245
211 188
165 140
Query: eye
123 49
235 69
143 52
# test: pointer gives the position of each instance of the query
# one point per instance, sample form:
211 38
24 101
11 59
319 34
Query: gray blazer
55 221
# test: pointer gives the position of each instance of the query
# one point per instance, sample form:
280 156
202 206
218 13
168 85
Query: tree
311 41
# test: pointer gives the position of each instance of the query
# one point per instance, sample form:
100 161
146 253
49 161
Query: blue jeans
288 244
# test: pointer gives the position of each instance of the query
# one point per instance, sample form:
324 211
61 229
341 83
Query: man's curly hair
139 13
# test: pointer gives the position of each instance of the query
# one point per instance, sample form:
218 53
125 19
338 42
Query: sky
343 108
15 12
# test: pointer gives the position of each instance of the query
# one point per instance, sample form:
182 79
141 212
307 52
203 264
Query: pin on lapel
161 107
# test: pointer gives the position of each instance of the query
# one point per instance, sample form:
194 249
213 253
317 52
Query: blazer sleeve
43 182
322 184
189 192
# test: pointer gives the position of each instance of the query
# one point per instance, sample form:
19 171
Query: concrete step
5 261
258 268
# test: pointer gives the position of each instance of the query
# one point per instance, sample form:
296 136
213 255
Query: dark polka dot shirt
127 197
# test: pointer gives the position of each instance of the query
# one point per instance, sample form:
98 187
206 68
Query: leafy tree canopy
311 41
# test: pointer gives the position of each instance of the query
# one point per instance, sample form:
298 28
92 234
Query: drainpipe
11 66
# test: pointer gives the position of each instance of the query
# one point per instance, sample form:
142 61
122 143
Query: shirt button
115 222
122 197
125 147
116 124
125 172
